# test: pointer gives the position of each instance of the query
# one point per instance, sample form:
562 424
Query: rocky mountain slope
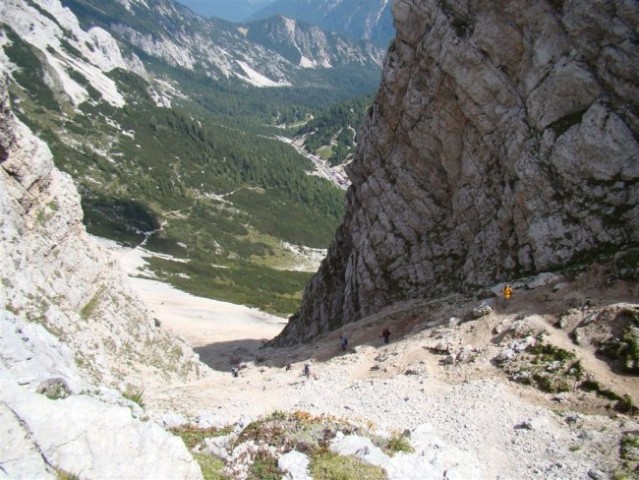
72 329
465 389
236 11
168 31
309 46
358 19
503 142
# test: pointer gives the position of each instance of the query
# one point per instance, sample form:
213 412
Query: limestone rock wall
73 337
503 142
53 274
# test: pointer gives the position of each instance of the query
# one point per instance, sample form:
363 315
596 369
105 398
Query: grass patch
89 308
193 436
134 394
264 467
324 152
211 466
330 466
62 475
398 443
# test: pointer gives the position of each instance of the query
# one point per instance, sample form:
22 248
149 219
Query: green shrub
193 436
134 394
211 466
327 465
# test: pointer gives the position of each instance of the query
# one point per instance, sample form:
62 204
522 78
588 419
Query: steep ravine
503 142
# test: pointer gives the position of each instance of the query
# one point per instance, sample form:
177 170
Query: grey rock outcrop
72 426
503 142
53 274
70 327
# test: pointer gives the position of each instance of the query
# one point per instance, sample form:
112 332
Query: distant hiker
508 292
235 371
343 341
288 367
386 334
307 370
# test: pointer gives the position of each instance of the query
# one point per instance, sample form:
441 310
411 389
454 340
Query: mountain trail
439 369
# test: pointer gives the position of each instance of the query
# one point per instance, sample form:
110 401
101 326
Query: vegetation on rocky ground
629 455
264 467
326 465
552 369
193 436
283 432
398 443
62 475
134 394
212 467
623 351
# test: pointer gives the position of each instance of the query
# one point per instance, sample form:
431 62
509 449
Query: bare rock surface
84 430
55 275
470 418
74 337
502 143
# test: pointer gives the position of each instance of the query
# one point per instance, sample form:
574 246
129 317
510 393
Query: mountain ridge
358 19
213 46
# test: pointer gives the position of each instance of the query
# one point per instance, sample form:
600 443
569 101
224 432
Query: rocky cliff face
503 142
73 338
54 275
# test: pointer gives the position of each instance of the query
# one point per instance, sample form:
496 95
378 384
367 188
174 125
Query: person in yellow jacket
508 292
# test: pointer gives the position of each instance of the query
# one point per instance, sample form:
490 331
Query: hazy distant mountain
308 45
173 34
357 19
231 10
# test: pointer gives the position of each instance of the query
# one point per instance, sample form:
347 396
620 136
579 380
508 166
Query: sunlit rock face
70 327
503 142
52 273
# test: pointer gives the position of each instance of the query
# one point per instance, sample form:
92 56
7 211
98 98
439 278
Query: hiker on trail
235 371
288 367
307 370
343 341
386 334
508 292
